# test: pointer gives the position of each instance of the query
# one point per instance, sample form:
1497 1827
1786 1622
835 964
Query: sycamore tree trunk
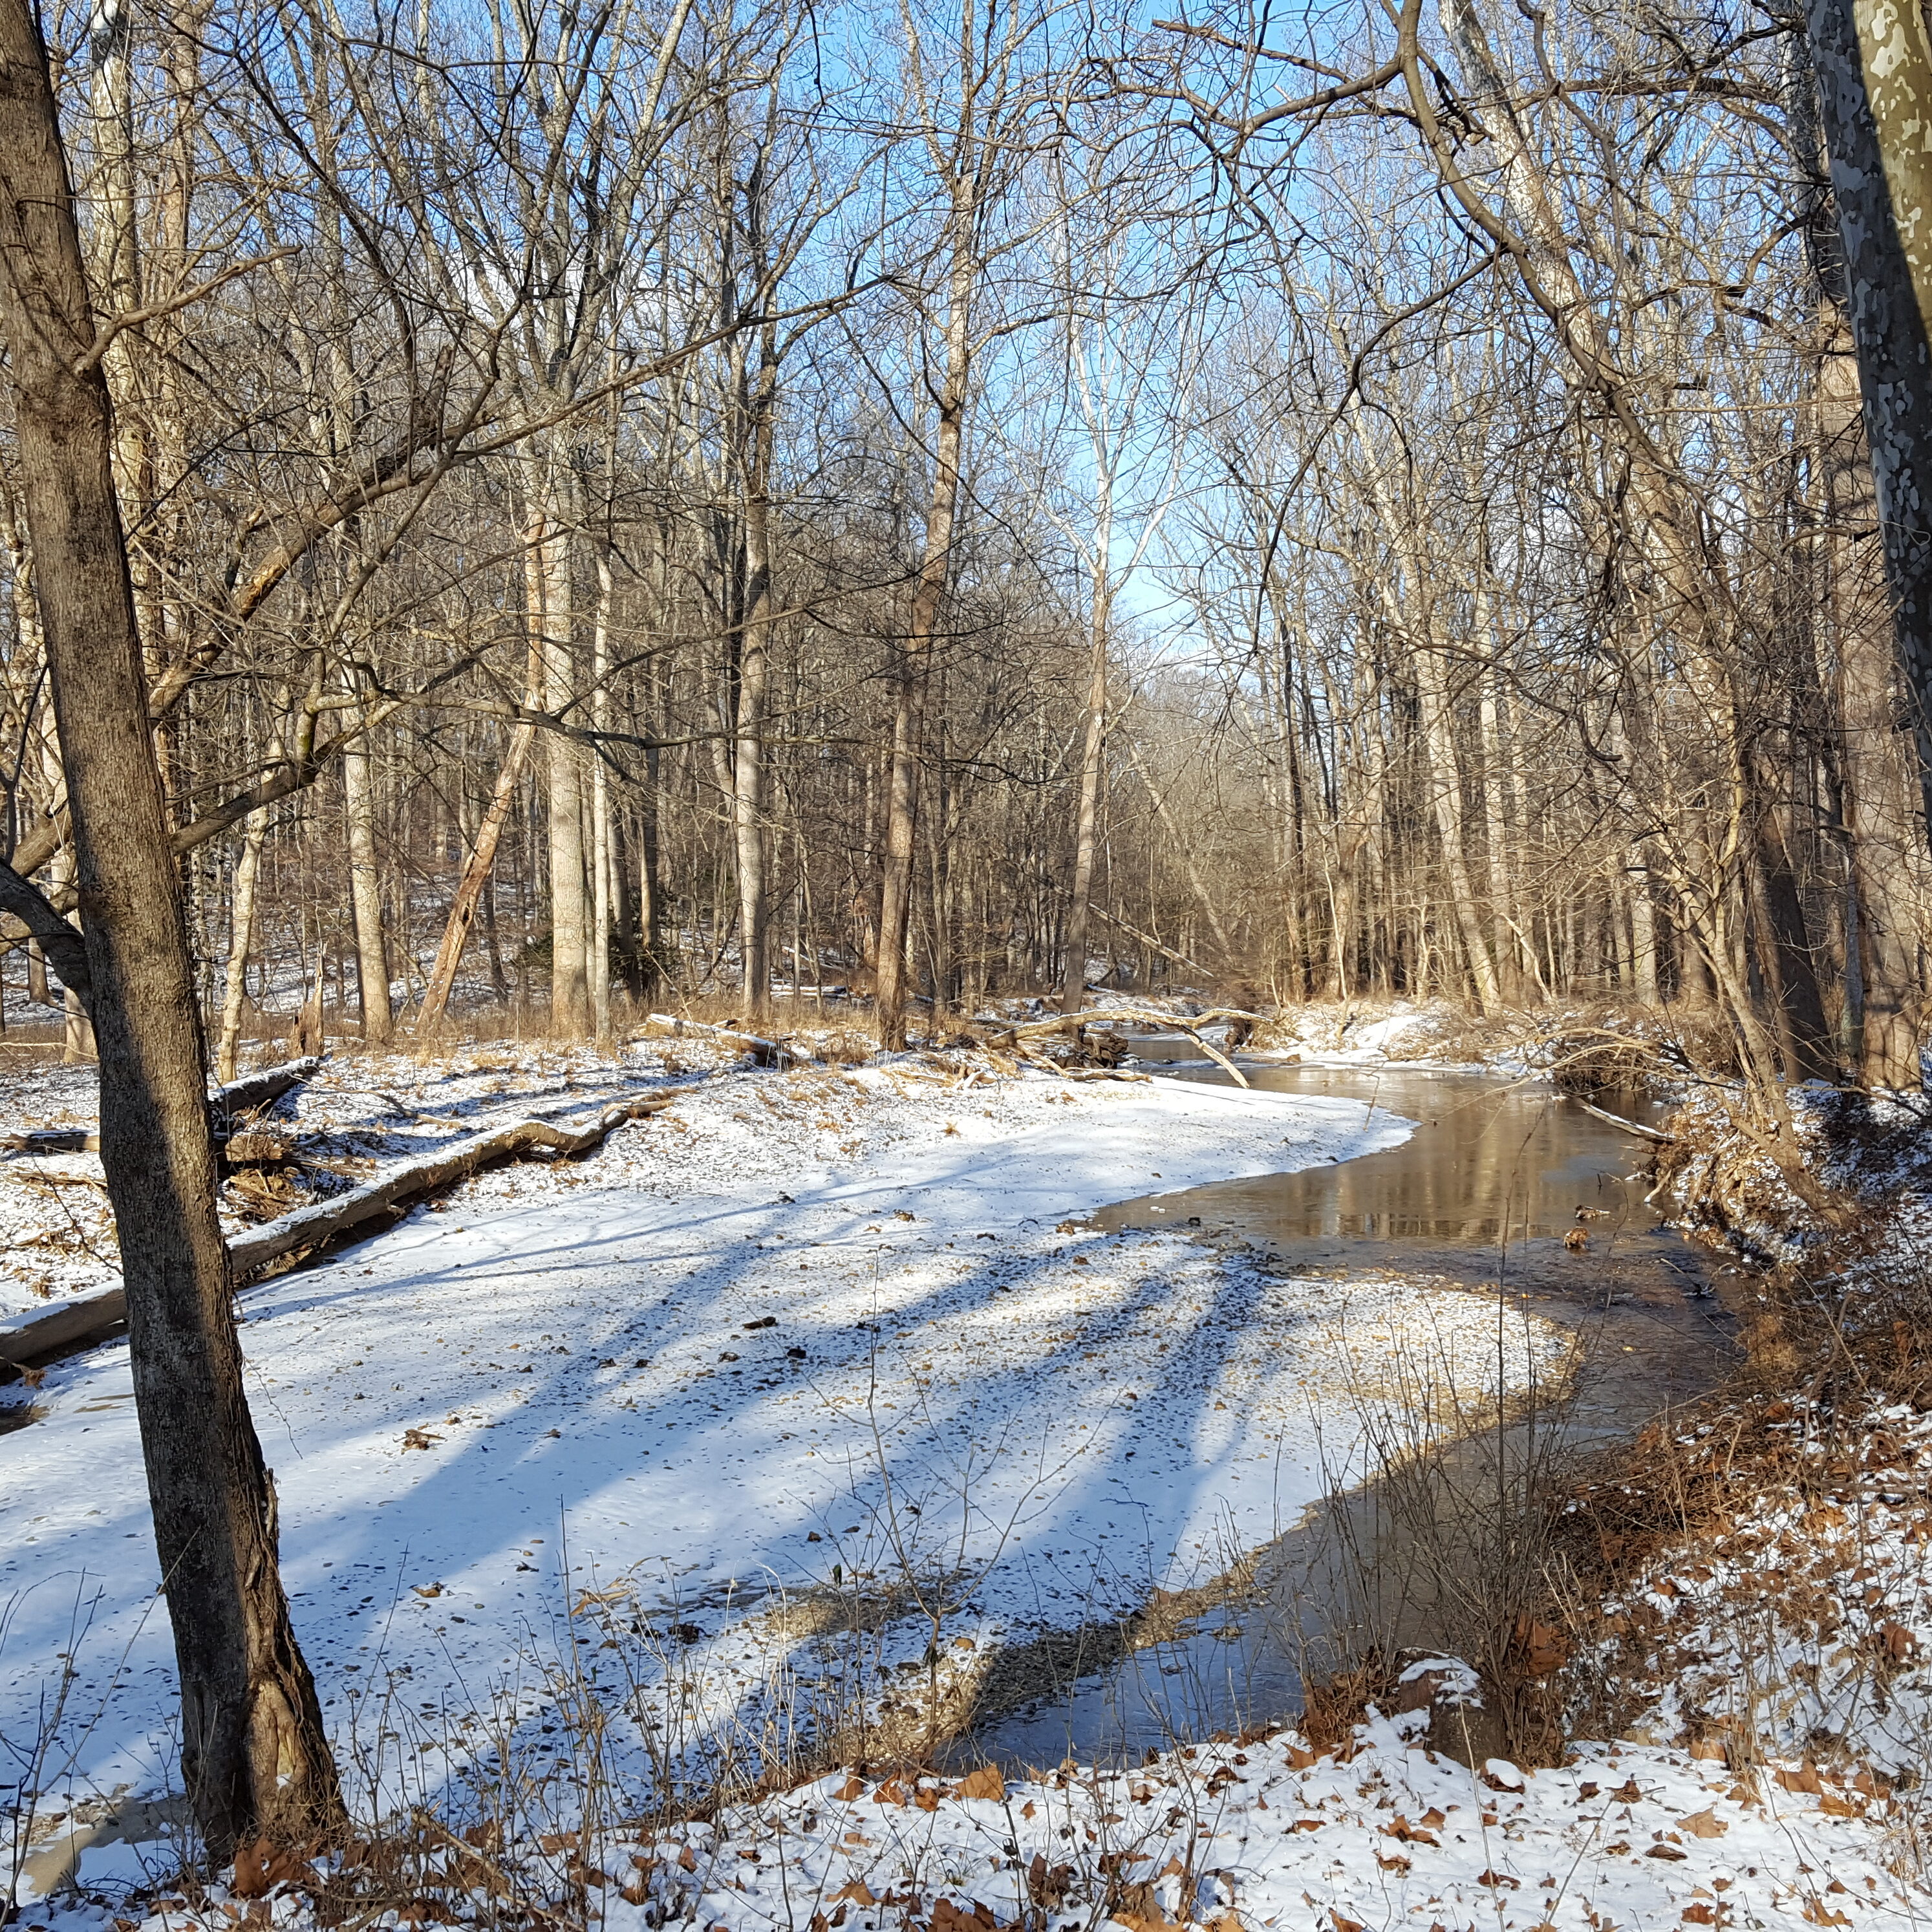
553 601
1887 846
749 772
601 894
365 893
915 654
241 940
1087 833
253 1752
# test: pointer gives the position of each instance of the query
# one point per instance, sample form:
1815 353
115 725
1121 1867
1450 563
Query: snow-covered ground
1236 1836
804 1334
813 1391
1228 1835
1808 1623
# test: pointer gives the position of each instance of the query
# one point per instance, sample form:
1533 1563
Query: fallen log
1016 1036
764 1052
23 1338
1628 1126
52 1140
259 1090
309 1227
239 1097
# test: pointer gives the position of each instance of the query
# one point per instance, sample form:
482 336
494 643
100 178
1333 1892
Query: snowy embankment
1235 1837
804 1334
698 1432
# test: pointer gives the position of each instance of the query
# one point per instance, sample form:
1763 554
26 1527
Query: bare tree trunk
1887 842
600 809
1412 616
1445 783
1073 988
474 881
1184 846
76 1035
748 794
253 1751
1873 61
365 893
115 266
553 601
1508 954
469 886
241 940
916 652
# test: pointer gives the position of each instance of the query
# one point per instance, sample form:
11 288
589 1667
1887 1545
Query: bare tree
254 1753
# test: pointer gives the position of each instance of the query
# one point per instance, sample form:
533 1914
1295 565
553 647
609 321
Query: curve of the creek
1480 1197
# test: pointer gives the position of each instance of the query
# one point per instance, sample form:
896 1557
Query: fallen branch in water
1628 1126
1017 1038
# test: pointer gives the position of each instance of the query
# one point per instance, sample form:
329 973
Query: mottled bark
1087 829
915 654
241 939
749 831
553 601
365 893
600 808
1878 763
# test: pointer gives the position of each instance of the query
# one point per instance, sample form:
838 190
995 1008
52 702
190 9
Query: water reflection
1492 1162
1482 1195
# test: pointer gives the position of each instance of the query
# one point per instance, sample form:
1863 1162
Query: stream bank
932 1317
1481 1197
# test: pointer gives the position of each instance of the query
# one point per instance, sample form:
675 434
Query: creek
1480 1198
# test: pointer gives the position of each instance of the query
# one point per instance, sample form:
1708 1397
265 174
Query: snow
1231 1836
1805 1623
1383 1835
557 1359
816 1385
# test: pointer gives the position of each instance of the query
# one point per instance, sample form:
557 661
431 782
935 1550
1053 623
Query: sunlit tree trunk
553 599
365 893
474 879
600 808
915 651
240 941
1093 751
1873 62
242 929
749 762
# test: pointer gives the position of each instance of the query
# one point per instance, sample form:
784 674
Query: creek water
1480 1198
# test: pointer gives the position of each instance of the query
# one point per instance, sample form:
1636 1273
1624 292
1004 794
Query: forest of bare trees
610 503
651 501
